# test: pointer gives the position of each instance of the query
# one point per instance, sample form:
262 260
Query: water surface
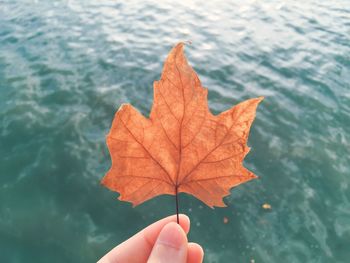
66 67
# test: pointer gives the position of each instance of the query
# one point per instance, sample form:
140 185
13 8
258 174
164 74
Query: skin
163 241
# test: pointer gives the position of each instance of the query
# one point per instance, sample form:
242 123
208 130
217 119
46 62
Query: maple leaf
182 146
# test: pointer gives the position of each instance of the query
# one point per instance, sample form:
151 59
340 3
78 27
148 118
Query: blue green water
66 67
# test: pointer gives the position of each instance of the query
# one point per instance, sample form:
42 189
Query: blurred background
66 67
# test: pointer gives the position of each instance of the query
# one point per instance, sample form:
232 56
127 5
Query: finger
139 247
171 245
194 253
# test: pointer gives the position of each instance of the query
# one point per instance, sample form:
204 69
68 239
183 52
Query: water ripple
65 68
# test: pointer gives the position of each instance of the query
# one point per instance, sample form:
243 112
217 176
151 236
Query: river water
66 67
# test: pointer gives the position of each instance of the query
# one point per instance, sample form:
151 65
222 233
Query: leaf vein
146 150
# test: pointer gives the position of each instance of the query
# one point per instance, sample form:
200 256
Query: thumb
171 245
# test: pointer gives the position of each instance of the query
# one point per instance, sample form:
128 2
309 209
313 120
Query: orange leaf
182 146
266 206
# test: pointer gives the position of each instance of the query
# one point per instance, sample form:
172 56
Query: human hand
163 241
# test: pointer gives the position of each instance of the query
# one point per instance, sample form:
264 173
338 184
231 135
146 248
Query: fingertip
195 253
185 222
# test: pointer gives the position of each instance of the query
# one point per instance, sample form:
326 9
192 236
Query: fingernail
171 245
172 235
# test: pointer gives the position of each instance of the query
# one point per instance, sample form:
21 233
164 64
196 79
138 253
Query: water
66 67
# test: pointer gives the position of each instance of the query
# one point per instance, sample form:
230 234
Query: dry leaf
182 146
266 206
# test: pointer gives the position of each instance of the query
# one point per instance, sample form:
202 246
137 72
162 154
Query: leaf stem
177 204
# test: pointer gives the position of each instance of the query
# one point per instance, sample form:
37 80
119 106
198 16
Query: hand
163 241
